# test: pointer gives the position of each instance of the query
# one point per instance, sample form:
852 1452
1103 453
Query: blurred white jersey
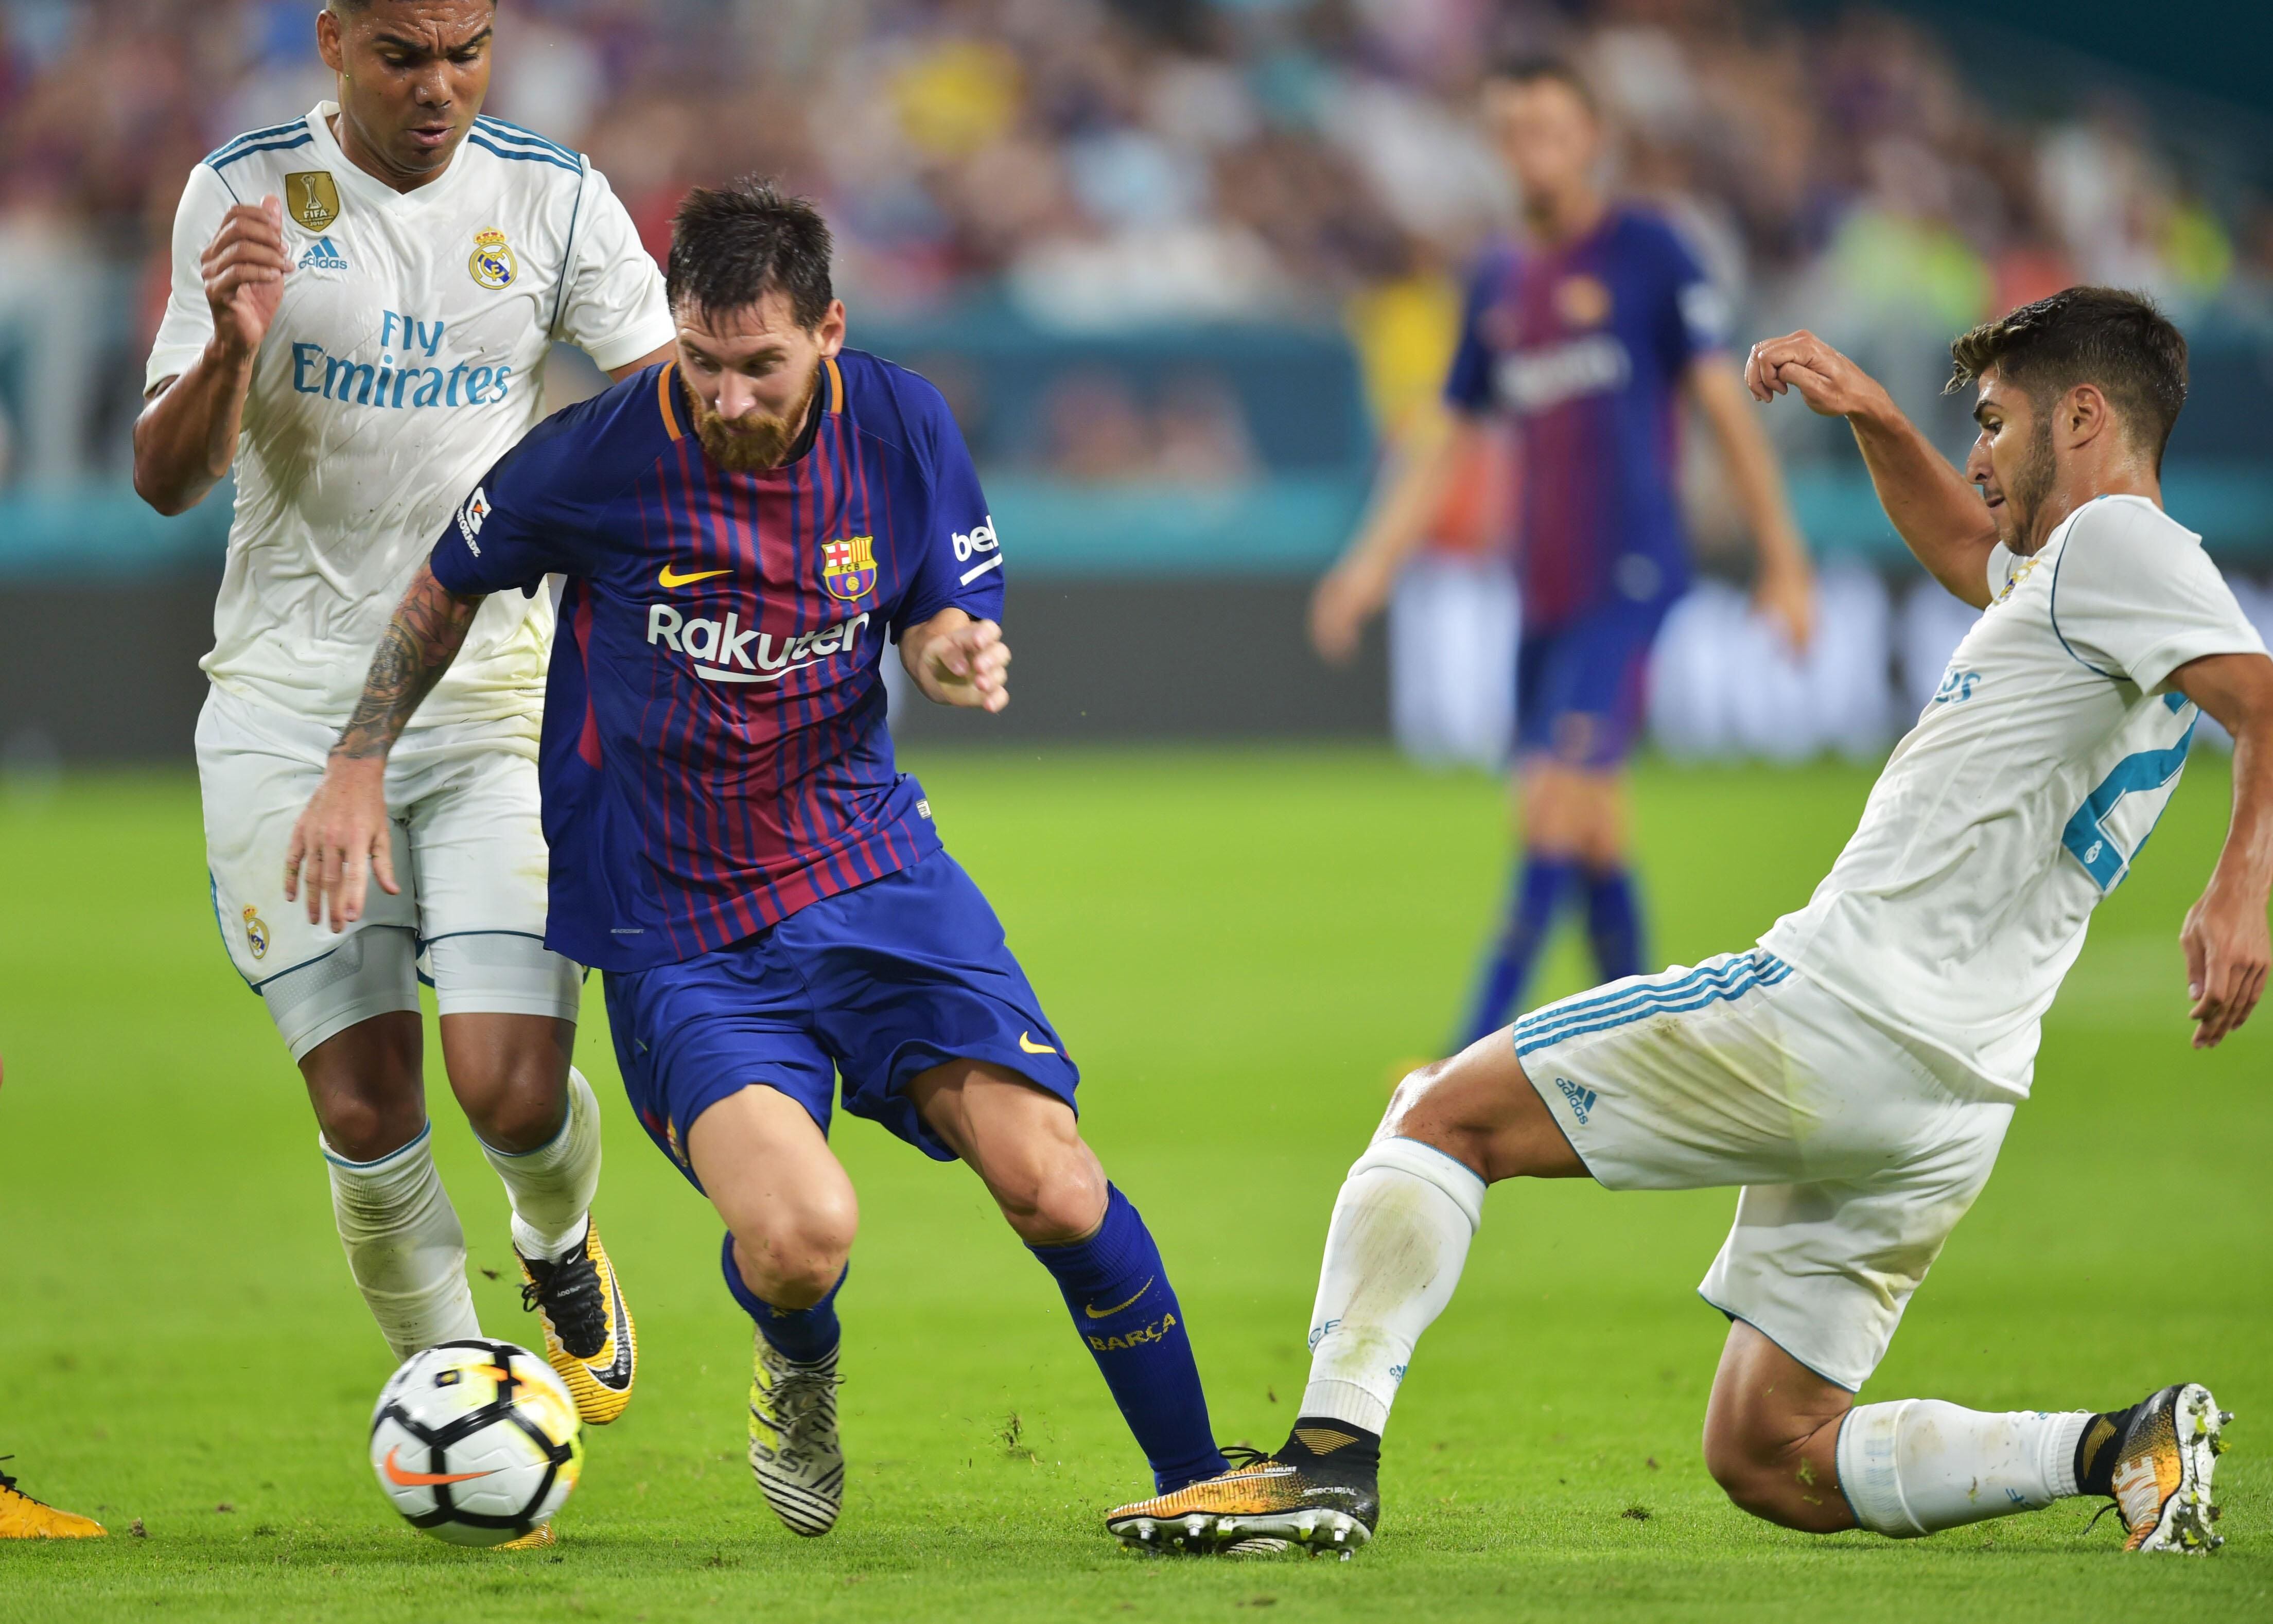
404 360
2028 787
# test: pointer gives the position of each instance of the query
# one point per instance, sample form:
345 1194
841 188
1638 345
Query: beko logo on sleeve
980 540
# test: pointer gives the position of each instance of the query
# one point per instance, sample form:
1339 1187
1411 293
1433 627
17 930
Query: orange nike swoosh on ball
414 1479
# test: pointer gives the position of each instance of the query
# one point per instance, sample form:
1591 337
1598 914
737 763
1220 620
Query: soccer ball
476 1442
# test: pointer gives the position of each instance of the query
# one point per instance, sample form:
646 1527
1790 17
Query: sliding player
363 299
1856 1071
768 896
1590 336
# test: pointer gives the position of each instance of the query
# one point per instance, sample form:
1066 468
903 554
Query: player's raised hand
343 832
244 268
2228 952
959 660
1832 385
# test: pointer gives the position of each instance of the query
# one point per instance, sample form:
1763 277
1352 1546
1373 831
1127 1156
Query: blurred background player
734 847
1590 334
362 298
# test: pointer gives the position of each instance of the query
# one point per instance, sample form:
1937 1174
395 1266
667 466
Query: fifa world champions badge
493 265
312 199
848 567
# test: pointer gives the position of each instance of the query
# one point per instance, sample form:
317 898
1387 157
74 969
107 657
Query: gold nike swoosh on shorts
1095 1313
668 578
1026 1042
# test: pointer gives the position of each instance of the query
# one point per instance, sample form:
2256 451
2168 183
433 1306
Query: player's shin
1533 900
804 1336
1117 1289
1613 923
1394 1253
1918 1465
552 1186
403 1244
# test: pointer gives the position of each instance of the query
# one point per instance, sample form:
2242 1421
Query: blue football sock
1117 1289
806 1335
1613 923
1540 884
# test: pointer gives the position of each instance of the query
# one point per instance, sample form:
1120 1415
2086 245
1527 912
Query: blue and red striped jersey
715 755
1586 345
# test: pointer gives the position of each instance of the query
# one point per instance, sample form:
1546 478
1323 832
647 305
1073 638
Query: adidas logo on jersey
1582 1100
323 257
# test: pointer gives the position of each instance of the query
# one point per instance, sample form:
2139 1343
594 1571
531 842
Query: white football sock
1919 1466
1394 1251
552 1186
403 1244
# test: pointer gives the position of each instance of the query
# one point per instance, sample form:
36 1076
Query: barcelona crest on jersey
848 567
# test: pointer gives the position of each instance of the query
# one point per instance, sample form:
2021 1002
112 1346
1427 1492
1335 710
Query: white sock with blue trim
552 1186
1918 1465
1394 1251
403 1244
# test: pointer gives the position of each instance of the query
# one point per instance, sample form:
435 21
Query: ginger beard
756 440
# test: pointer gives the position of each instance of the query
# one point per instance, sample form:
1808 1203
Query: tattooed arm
345 827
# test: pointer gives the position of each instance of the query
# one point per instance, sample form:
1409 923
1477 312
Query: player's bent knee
793 1261
1061 1201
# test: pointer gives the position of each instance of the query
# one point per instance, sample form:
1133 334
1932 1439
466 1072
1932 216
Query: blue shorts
1581 687
877 983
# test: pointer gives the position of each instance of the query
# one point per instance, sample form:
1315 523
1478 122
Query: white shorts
1859 1150
470 854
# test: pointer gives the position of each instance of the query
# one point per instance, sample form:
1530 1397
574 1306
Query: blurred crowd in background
1097 164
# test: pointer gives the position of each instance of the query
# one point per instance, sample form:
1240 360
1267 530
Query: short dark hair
1531 68
2115 340
732 245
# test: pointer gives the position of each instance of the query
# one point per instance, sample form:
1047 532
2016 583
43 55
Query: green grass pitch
1240 947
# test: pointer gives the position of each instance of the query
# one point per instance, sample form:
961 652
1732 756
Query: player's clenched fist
1830 384
343 832
959 660
244 268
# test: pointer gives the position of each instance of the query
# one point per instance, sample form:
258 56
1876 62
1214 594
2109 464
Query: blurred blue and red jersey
715 757
1585 346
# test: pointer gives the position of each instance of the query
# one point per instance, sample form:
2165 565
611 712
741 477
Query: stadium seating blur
1181 266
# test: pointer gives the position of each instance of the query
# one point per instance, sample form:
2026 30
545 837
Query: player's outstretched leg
22 1517
567 1274
1023 1143
791 1216
1394 1251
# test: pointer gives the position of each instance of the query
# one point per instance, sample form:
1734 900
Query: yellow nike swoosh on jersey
669 579
1095 1313
1026 1042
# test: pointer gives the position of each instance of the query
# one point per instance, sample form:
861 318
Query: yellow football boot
535 1539
2163 1472
22 1517
1301 1495
588 1335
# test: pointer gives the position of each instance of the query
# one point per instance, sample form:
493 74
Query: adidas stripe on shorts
1858 1150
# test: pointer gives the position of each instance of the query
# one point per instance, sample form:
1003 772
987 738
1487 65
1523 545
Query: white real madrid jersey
2025 791
405 358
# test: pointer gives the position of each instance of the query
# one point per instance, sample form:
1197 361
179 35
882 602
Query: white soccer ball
476 1442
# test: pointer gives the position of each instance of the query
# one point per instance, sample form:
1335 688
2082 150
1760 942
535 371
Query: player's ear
2083 416
831 332
329 45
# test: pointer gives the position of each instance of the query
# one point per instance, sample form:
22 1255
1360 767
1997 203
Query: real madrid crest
312 198
493 265
256 933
